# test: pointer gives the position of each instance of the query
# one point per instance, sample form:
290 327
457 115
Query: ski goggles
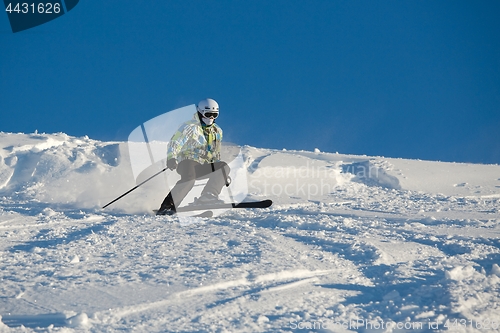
211 114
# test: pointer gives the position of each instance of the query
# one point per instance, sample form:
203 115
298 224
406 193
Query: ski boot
166 210
208 198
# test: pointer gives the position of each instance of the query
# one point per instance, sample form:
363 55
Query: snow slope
352 244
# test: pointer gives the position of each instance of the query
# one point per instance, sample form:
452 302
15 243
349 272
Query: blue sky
410 79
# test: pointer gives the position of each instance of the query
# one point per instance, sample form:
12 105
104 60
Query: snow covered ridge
352 244
84 173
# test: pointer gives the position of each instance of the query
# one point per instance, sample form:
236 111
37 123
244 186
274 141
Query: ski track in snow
386 240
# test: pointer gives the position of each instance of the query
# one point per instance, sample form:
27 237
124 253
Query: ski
207 213
229 205
247 204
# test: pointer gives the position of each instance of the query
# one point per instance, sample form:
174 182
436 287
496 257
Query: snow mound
58 169
80 320
460 273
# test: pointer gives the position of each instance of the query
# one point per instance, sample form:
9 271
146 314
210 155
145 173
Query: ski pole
228 182
135 187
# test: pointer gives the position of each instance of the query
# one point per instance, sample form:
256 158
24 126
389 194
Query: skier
194 151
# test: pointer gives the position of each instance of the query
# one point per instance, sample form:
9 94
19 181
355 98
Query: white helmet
209 109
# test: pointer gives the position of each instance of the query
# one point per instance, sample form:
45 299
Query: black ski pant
217 174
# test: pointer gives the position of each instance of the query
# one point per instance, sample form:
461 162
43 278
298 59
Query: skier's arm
178 141
217 153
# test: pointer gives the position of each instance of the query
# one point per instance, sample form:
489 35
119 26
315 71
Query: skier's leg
217 178
187 171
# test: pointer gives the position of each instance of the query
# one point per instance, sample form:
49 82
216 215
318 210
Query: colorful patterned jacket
192 141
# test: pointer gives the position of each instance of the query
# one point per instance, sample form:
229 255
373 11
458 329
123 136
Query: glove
172 163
